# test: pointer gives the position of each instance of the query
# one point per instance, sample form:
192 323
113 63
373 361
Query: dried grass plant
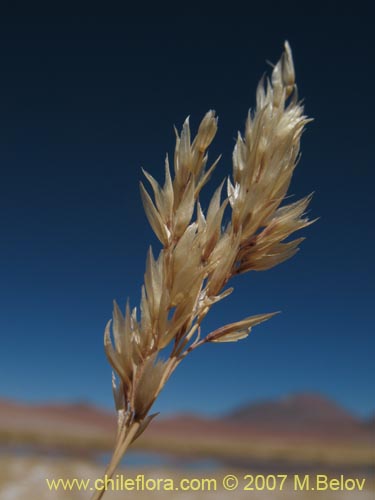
200 254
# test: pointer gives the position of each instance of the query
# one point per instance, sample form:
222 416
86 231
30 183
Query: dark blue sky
86 99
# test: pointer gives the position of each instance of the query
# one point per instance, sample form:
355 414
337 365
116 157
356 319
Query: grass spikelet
199 255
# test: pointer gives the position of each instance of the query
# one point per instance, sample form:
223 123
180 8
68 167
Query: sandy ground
24 478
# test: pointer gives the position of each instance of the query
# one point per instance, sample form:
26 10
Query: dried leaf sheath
199 253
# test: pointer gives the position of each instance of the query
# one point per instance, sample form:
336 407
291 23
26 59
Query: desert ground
25 478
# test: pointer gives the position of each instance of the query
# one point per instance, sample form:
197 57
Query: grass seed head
199 254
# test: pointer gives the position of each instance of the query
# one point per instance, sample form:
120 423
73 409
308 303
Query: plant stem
124 440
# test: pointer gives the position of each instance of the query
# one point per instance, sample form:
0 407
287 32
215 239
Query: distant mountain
293 417
54 422
297 412
370 423
303 430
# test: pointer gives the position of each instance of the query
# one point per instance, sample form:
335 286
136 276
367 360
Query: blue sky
86 100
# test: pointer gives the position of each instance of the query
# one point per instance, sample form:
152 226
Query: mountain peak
294 411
